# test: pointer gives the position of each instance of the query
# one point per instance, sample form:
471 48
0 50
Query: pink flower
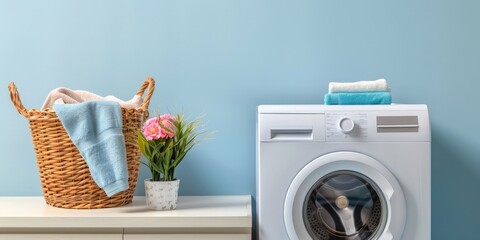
151 120
168 130
152 129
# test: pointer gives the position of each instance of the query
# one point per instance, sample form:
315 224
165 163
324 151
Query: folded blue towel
95 128
347 98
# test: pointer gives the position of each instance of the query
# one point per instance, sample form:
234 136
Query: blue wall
222 58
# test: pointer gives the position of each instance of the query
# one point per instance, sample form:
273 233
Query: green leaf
155 166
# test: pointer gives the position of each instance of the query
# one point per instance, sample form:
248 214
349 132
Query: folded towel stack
356 93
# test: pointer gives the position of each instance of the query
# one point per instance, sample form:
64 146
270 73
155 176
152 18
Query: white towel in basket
68 96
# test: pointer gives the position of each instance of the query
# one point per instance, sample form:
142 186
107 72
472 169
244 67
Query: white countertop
192 211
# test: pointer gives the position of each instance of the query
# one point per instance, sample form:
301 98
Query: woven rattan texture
65 177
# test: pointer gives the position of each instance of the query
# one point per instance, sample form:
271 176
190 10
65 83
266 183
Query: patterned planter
161 195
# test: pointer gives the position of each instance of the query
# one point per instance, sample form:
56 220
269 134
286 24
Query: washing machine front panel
344 196
394 142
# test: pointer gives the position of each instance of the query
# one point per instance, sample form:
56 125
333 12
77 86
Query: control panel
366 126
347 123
344 125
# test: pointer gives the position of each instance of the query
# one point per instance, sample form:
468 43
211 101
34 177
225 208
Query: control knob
346 125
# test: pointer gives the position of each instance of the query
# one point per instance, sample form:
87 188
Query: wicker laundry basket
65 177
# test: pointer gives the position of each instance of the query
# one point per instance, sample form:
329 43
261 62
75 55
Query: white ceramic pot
161 195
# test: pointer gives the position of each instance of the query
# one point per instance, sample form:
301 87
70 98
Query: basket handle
15 97
150 83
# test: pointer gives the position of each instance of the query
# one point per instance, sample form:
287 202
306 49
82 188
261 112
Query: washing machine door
344 196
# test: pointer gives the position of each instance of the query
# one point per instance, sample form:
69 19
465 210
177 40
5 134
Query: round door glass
343 206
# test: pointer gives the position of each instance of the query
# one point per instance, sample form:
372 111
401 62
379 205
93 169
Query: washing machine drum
342 205
344 196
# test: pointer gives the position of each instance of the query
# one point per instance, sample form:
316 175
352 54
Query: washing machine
351 172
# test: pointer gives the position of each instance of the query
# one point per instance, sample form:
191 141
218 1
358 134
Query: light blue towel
347 98
95 127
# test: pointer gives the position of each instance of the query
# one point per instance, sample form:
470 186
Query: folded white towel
360 86
65 95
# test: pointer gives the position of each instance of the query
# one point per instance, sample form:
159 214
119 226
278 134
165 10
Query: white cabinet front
187 236
44 236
